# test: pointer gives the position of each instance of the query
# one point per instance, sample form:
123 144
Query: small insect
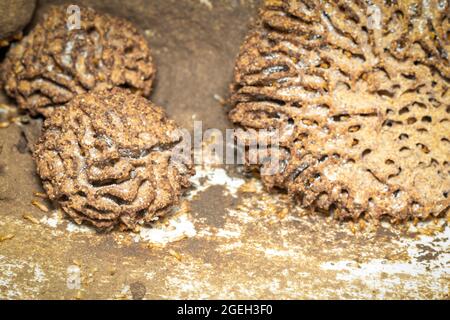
76 262
136 229
29 217
40 195
241 208
179 238
185 207
121 296
7 113
248 187
175 254
155 245
78 296
40 205
6 237
283 213
220 99
352 228
362 224
272 222
273 3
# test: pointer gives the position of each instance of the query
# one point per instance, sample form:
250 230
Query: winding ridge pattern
53 64
106 158
359 91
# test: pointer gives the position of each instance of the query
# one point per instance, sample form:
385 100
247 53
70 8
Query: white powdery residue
214 177
426 5
374 17
12 293
7 269
125 290
125 293
278 253
370 274
224 233
205 232
187 280
73 279
439 244
10 269
330 174
230 246
242 215
274 286
383 275
282 252
75 228
4 282
178 228
371 268
149 275
51 221
39 275
5 274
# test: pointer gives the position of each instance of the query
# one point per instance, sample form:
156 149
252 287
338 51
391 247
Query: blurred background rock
15 15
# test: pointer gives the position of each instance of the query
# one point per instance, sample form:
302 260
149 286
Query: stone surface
16 14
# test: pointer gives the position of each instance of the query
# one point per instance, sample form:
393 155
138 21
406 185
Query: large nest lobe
107 159
359 91
53 63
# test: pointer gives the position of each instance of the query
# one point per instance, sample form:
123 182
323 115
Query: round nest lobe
53 64
360 96
107 158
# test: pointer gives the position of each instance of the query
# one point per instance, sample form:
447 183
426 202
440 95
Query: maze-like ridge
52 64
360 93
107 159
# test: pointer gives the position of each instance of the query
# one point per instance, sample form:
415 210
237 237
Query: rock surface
15 15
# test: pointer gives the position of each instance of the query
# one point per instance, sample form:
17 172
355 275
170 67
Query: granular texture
359 92
53 64
107 159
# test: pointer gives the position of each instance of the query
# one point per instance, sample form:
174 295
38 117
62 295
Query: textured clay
53 64
106 158
360 95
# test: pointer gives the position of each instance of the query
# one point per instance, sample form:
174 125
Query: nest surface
107 159
360 96
52 64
